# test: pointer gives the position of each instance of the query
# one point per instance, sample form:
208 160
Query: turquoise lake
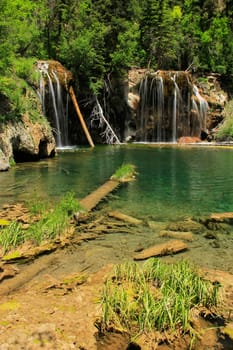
172 181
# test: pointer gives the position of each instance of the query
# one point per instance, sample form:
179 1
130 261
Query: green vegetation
126 172
156 296
52 223
225 131
95 38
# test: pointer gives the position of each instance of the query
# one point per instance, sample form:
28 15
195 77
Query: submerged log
126 218
167 248
222 216
187 236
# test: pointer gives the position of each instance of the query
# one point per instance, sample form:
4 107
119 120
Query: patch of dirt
52 314
39 310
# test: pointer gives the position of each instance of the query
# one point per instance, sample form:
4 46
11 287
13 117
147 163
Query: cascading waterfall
169 107
62 116
60 113
202 107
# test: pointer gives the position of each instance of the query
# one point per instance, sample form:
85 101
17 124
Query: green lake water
173 183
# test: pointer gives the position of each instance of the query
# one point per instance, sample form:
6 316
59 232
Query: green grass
156 296
125 172
53 222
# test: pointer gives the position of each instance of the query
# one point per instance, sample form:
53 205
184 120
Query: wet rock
189 139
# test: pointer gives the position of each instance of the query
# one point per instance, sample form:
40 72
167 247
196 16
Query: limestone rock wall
25 141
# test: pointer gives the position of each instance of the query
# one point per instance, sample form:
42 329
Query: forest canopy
94 38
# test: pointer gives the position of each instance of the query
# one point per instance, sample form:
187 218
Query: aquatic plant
156 296
125 172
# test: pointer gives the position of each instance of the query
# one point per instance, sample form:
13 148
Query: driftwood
126 218
168 248
103 226
187 236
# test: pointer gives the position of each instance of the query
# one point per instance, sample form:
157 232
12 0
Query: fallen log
187 236
79 114
126 218
90 201
167 248
124 173
222 216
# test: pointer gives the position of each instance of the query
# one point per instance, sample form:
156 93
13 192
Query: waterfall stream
59 109
170 106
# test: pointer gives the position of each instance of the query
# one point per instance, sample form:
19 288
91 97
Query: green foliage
52 223
225 131
96 38
156 296
125 172
11 236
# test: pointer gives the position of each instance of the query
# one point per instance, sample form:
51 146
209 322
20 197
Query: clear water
172 182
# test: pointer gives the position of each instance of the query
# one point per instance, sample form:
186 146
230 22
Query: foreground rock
170 247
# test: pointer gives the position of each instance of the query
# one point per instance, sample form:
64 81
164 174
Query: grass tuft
156 296
52 223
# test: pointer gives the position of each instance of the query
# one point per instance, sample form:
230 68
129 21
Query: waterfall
175 110
62 123
55 95
160 106
169 107
202 107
